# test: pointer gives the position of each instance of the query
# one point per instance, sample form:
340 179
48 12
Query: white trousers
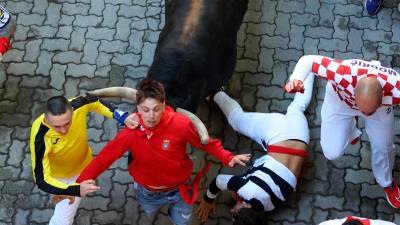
338 129
64 213
270 128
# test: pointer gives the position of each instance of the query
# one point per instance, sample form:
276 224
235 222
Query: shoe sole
387 199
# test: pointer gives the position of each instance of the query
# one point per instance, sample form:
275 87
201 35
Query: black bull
196 51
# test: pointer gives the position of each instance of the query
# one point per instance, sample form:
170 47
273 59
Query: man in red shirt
160 165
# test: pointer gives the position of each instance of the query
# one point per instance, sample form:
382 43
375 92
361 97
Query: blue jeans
179 212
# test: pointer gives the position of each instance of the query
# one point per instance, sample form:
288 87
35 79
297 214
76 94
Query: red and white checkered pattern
344 75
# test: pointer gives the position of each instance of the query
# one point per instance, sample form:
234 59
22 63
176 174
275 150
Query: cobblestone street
67 47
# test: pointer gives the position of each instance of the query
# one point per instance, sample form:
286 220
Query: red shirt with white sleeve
159 156
344 75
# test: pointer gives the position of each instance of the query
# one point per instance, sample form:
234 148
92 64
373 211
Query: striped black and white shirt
265 186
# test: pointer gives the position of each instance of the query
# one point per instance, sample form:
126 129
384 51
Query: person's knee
331 151
181 218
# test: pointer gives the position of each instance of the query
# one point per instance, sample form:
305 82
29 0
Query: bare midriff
293 162
158 187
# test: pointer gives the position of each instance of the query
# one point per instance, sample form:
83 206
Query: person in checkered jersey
356 88
7 29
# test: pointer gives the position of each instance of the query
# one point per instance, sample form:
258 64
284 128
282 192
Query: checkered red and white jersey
344 75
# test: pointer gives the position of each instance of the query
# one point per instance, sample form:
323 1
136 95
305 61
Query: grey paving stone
326 14
100 33
40 7
290 6
30 19
78 38
296 41
362 23
83 217
110 47
332 44
126 59
58 76
75 8
42 31
304 19
147 54
53 13
71 87
24 68
352 197
273 42
20 7
312 6
338 186
32 50
21 33
132 11
44 62
95 202
135 42
68 57
110 15
282 24
66 20
87 20
287 54
80 70
384 20
96 7
41 215
90 52
258 29
268 6
341 27
55 44
16 153
348 9
319 216
319 32
21 217
359 176
252 16
309 45
375 36
123 29
13 55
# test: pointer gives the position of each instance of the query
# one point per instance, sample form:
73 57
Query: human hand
239 159
204 209
87 187
132 121
58 198
294 86
239 205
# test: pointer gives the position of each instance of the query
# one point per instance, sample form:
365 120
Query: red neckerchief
363 221
184 189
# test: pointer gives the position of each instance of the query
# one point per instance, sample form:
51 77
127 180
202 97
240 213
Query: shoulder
80 101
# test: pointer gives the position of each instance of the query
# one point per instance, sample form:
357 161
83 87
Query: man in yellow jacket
60 151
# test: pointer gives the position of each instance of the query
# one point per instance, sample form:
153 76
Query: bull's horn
201 129
130 93
116 92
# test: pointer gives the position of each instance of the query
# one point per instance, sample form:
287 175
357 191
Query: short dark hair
353 222
248 216
57 105
150 89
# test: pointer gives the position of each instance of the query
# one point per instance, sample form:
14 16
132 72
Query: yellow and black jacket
64 156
